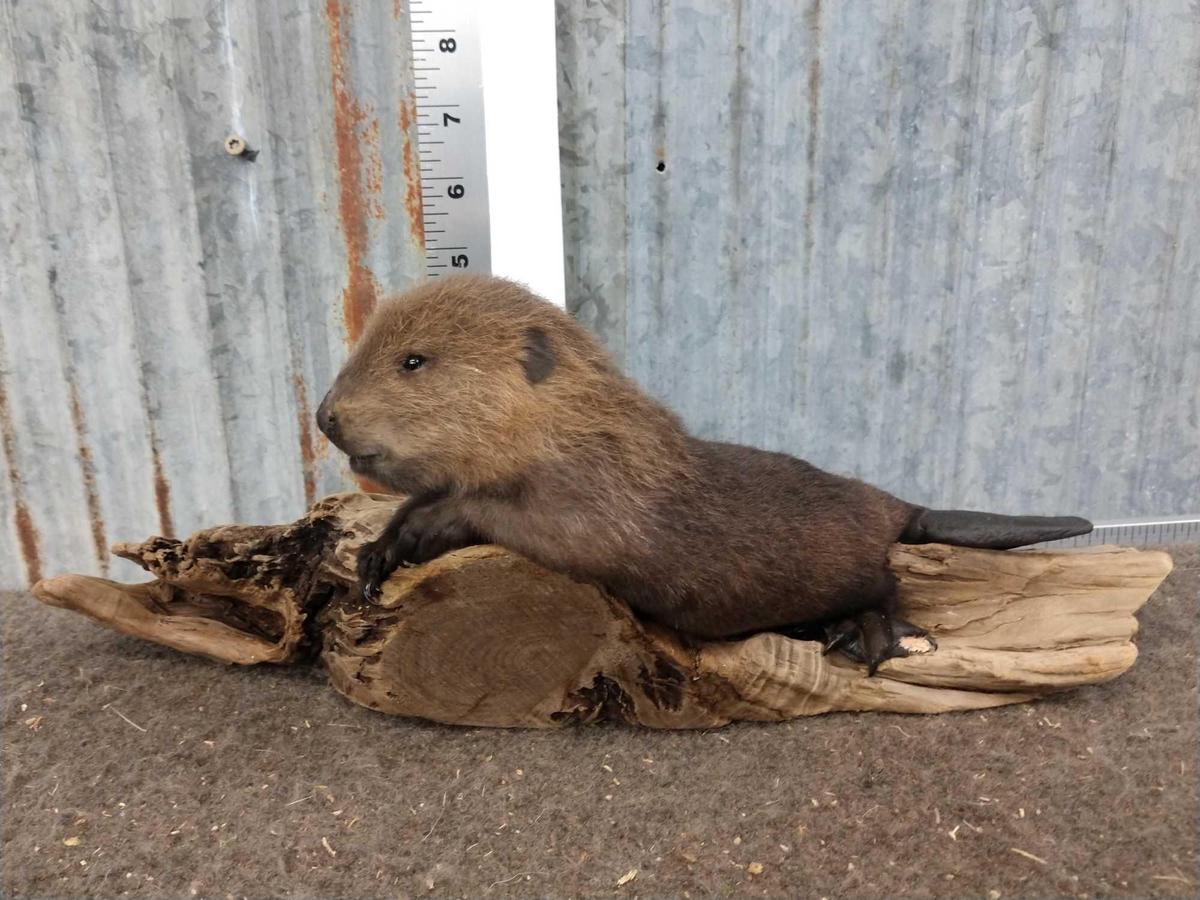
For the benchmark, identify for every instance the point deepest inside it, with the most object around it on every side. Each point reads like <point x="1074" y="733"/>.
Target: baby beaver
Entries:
<point x="505" y="422"/>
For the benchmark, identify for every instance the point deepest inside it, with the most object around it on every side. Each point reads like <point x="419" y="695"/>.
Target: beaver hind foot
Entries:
<point x="870" y="637"/>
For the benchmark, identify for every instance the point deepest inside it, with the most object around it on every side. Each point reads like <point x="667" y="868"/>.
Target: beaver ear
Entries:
<point x="539" y="358"/>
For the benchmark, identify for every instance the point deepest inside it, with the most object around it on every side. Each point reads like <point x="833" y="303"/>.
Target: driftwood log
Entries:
<point x="484" y="637"/>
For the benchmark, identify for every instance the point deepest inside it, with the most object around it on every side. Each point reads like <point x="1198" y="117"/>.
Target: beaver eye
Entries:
<point x="413" y="361"/>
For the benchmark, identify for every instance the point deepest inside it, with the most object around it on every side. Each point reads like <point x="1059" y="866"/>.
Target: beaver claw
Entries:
<point x="415" y="534"/>
<point x="376" y="561"/>
<point x="872" y="637"/>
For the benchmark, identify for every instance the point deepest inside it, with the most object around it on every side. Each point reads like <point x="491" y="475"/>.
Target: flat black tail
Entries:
<point x="964" y="528"/>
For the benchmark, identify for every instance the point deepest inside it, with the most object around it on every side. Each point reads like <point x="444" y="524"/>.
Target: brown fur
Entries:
<point x="584" y="473"/>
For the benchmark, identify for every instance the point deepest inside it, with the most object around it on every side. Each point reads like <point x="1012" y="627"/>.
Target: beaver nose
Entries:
<point x="326" y="420"/>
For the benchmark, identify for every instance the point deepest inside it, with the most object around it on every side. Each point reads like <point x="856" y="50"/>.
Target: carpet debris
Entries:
<point x="1028" y="855"/>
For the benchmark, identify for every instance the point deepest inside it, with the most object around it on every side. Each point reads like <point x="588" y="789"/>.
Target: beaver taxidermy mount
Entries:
<point x="505" y="422"/>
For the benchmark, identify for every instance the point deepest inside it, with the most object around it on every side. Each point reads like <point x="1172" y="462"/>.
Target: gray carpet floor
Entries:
<point x="134" y="770"/>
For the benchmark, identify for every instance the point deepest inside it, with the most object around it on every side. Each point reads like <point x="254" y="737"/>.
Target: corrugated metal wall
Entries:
<point x="172" y="314"/>
<point x="951" y="247"/>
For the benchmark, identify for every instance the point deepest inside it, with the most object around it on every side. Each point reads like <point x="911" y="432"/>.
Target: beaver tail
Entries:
<point x="991" y="531"/>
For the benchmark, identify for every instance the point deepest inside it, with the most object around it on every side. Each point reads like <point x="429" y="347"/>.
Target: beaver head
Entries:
<point x="463" y="380"/>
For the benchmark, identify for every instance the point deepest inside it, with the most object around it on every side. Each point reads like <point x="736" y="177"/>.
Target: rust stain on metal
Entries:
<point x="412" y="174"/>
<point x="360" y="174"/>
<point x="371" y="487"/>
<point x="99" y="539"/>
<point x="407" y="114"/>
<point x="374" y="168"/>
<point x="321" y="447"/>
<point x="307" y="451"/>
<point x="27" y="535"/>
<point x="162" y="492"/>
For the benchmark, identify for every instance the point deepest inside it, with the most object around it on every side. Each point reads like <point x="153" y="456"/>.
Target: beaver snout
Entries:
<point x="326" y="420"/>
<point x="362" y="458"/>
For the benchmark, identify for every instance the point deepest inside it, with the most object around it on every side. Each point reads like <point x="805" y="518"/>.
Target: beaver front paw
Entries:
<point x="415" y="534"/>
<point x="376" y="561"/>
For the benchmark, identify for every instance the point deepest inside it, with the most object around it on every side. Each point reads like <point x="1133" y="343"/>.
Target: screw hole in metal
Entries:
<point x="235" y="145"/>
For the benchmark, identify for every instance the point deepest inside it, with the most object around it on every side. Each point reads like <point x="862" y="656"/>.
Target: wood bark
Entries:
<point x="484" y="637"/>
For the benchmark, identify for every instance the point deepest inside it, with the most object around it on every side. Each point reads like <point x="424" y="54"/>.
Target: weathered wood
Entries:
<point x="484" y="637"/>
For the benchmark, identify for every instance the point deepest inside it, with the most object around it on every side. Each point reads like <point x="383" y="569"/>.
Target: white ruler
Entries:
<point x="450" y="131"/>
<point x="490" y="188"/>
<point x="1137" y="533"/>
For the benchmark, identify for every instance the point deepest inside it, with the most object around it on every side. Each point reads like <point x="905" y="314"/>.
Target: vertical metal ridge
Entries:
<point x="26" y="531"/>
<point x="88" y="464"/>
<point x="356" y="139"/>
<point x="158" y="484"/>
